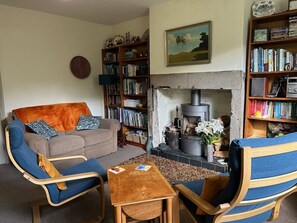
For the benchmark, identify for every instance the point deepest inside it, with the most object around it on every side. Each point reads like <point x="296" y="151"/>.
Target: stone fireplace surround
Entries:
<point x="233" y="81"/>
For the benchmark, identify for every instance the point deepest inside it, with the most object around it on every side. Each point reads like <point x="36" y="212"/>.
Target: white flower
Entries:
<point x="210" y="131"/>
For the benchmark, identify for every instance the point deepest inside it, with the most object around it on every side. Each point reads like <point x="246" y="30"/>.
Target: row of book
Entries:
<point x="132" y="70"/>
<point x="134" y="118"/>
<point x="115" y="113"/>
<point x="111" y="69"/>
<point x="114" y="88"/>
<point x="111" y="57"/>
<point x="273" y="109"/>
<point x="114" y="100"/>
<point x="271" y="60"/>
<point x="131" y="86"/>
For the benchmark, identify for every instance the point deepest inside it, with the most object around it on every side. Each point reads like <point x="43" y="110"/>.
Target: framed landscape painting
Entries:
<point x="189" y="44"/>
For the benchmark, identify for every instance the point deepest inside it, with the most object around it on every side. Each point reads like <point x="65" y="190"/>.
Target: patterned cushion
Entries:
<point x="42" y="128"/>
<point x="88" y="122"/>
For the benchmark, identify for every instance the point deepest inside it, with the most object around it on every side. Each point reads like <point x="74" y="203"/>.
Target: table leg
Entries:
<point x="169" y="210"/>
<point x="118" y="216"/>
<point x="123" y="217"/>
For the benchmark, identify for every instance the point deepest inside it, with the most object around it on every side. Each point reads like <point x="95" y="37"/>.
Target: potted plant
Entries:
<point x="210" y="133"/>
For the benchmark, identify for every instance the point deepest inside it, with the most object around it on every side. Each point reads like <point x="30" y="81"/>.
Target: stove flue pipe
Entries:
<point x="195" y="97"/>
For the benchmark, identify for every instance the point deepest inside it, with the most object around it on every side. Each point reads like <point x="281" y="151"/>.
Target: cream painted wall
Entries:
<point x="35" y="53"/>
<point x="136" y="27"/>
<point x="36" y="50"/>
<point x="227" y="32"/>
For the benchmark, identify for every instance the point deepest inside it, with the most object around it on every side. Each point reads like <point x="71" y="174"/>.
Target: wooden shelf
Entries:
<point x="119" y="64"/>
<point x="259" y="126"/>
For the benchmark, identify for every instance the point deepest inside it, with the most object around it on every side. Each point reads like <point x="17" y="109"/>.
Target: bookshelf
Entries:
<point x="274" y="61"/>
<point x="126" y="98"/>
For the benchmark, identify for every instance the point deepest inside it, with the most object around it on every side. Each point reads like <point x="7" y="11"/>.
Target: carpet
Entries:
<point x="172" y="170"/>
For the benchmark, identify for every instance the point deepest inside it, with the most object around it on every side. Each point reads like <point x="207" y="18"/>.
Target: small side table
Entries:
<point x="141" y="195"/>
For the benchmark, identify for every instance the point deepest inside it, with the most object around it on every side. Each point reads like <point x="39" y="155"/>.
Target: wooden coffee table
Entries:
<point x="141" y="195"/>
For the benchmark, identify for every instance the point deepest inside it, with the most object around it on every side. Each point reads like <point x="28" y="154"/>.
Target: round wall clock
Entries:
<point x="80" y="67"/>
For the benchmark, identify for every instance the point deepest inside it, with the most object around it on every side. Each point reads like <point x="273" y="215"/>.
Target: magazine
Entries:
<point x="144" y="167"/>
<point x="116" y="169"/>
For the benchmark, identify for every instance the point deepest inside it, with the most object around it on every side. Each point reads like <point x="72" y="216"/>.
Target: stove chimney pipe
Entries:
<point x="195" y="97"/>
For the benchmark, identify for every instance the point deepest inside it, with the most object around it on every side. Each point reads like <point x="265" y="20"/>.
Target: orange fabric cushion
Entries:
<point x="212" y="187"/>
<point x="48" y="167"/>
<point x="62" y="117"/>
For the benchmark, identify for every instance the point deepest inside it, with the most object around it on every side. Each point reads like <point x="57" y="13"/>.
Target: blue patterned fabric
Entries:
<point x="28" y="160"/>
<point x="261" y="167"/>
<point x="88" y="122"/>
<point x="42" y="128"/>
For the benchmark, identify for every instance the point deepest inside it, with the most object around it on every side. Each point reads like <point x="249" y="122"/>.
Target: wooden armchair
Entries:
<point x="79" y="179"/>
<point x="263" y="173"/>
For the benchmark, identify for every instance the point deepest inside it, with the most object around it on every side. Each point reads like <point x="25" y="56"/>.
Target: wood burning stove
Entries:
<point x="192" y="114"/>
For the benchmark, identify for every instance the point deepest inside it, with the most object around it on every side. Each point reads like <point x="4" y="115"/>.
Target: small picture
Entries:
<point x="189" y="44"/>
<point x="292" y="4"/>
<point x="260" y="35"/>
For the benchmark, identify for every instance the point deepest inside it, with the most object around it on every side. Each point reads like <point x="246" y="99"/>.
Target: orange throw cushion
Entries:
<point x="48" y="167"/>
<point x="212" y="187"/>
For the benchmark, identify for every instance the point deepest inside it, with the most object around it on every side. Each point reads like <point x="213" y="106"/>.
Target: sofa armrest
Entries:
<point x="115" y="126"/>
<point x="37" y="142"/>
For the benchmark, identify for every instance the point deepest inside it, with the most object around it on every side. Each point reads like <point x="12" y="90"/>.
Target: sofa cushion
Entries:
<point x="42" y="128"/>
<point x="88" y="122"/>
<point x="65" y="144"/>
<point x="93" y="136"/>
<point x="62" y="117"/>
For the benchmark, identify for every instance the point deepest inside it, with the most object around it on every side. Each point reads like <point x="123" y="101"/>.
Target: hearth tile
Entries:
<point x="184" y="159"/>
<point x="221" y="168"/>
<point x="172" y="156"/>
<point x="196" y="162"/>
<point x="155" y="151"/>
<point x="209" y="166"/>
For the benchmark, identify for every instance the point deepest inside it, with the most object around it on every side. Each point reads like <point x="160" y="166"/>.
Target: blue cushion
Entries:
<point x="42" y="128"/>
<point x="77" y="186"/>
<point x="88" y="122"/>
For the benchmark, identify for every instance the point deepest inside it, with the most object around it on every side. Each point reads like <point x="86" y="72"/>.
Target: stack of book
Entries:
<point x="134" y="118"/>
<point x="279" y="33"/>
<point x="293" y="26"/>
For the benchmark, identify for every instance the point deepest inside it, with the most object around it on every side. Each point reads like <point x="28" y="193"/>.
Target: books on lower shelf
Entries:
<point x="134" y="118"/>
<point x="273" y="109"/>
<point x="143" y="167"/>
<point x="116" y="169"/>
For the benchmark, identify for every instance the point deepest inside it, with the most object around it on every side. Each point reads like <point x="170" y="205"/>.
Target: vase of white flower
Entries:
<point x="210" y="133"/>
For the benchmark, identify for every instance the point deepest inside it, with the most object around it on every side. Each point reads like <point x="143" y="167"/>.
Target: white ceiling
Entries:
<point x="107" y="12"/>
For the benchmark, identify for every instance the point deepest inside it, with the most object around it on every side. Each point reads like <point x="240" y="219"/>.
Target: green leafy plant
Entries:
<point x="210" y="131"/>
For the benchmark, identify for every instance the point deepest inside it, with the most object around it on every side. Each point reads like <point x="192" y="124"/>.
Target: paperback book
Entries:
<point x="144" y="167"/>
<point x="116" y="169"/>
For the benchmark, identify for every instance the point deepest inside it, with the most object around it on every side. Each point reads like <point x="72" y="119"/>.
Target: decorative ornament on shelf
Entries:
<point x="109" y="43"/>
<point x="263" y="8"/>
<point x="118" y="40"/>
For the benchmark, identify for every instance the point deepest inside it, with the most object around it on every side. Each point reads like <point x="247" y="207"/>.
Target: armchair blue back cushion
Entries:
<point x="27" y="159"/>
<point x="261" y="167"/>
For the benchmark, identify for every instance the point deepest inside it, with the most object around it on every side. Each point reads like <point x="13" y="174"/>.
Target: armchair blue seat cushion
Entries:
<point x="27" y="159"/>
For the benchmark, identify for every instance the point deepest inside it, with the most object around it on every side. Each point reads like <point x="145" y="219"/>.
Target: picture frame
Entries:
<point x="189" y="44"/>
<point x="292" y="4"/>
<point x="260" y="35"/>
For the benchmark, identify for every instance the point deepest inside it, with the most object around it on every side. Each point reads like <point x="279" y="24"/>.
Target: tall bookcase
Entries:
<point x="271" y="59"/>
<point x="126" y="98"/>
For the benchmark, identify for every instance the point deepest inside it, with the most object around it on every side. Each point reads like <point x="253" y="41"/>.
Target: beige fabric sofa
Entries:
<point x="64" y="118"/>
